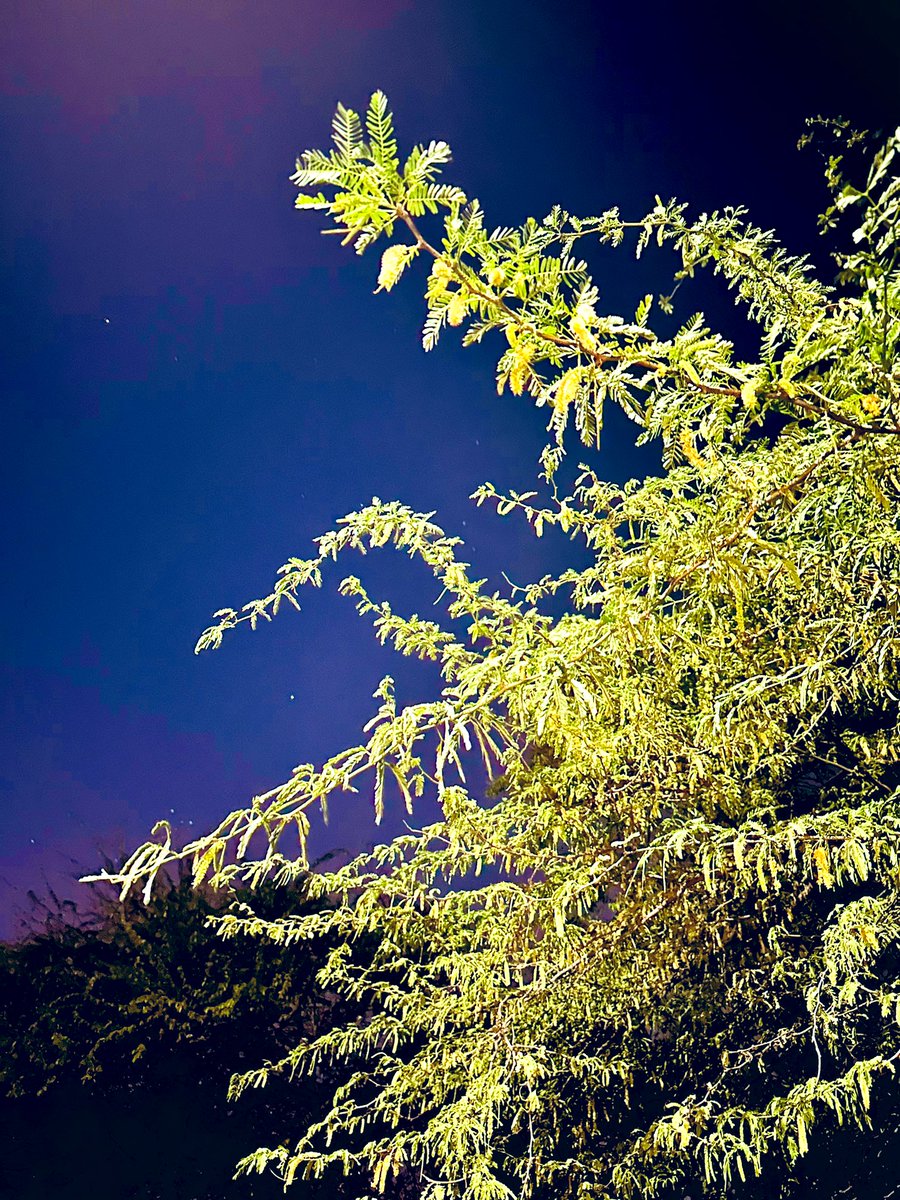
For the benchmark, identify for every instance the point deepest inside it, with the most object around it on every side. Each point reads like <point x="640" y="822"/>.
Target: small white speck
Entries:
<point x="291" y="696"/>
<point x="106" y="320"/>
<point x="171" y="810"/>
<point x="32" y="841"/>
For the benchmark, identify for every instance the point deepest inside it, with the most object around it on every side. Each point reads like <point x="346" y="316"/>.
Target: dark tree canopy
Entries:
<point x="119" y="1029"/>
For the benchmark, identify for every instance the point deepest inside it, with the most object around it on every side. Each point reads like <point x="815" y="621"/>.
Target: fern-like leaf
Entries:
<point x="380" y="128"/>
<point x="347" y="132"/>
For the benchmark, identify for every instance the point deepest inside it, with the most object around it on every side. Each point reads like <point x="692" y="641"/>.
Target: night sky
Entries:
<point x="195" y="383"/>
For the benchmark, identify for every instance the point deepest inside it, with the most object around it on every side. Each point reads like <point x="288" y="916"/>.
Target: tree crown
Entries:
<point x="683" y="951"/>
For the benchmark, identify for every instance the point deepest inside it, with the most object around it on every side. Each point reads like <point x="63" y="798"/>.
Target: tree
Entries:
<point x="119" y="1028"/>
<point x="680" y="965"/>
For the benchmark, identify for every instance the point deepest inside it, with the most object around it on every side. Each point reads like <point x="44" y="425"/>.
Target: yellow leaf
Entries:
<point x="859" y="860"/>
<point x="748" y="393"/>
<point x="582" y="334"/>
<point x="707" y="873"/>
<point x="205" y="864"/>
<point x="802" y="1143"/>
<point x="518" y="375"/>
<point x="867" y="936"/>
<point x="691" y="372"/>
<point x="823" y="866"/>
<point x="457" y="308"/>
<point x="567" y="388"/>
<point x="689" y="450"/>
<point x="871" y="405"/>
<point x="393" y="261"/>
<point x="380" y="1174"/>
<point x="761" y="872"/>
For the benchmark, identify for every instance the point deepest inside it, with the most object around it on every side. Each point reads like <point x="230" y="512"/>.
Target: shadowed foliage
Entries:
<point x="120" y="1028"/>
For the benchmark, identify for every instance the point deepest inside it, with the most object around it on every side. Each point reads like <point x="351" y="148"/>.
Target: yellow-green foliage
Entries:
<point x="684" y="958"/>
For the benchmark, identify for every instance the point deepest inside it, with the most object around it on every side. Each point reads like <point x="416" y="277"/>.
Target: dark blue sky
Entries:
<point x="195" y="383"/>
